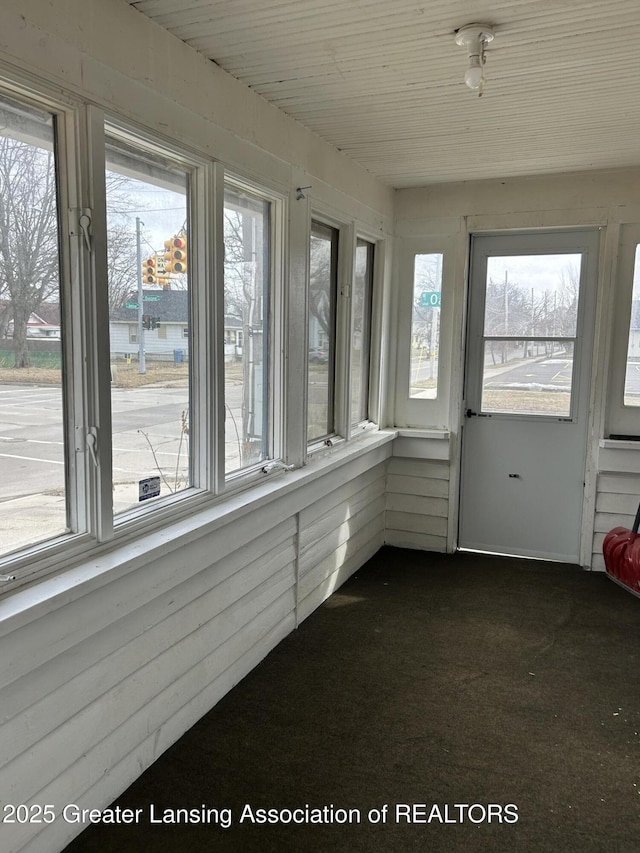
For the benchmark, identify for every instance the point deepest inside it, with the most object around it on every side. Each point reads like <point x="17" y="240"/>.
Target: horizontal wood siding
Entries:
<point x="338" y="533"/>
<point x="417" y="502"/>
<point x="95" y="691"/>
<point x="617" y="499"/>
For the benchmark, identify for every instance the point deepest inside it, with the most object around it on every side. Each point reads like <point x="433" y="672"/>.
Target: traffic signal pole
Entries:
<point x="142" y="368"/>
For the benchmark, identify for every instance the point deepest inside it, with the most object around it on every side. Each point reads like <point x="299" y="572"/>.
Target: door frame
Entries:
<point x="593" y="237"/>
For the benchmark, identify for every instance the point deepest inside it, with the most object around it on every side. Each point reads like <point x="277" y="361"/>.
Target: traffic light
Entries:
<point x="163" y="280"/>
<point x="175" y="254"/>
<point x="149" y="271"/>
<point x="155" y="322"/>
<point x="146" y="321"/>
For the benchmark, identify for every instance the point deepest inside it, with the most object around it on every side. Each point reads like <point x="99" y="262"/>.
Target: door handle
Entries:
<point x="471" y="414"/>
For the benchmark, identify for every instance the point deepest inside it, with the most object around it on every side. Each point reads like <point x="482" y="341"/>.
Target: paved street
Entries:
<point x="147" y="441"/>
<point x="550" y="374"/>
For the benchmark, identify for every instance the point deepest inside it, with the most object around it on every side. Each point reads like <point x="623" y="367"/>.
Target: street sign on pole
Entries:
<point x="131" y="305"/>
<point x="430" y="299"/>
<point x="148" y="298"/>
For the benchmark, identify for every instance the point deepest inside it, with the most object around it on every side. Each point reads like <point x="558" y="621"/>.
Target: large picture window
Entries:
<point x="361" y="330"/>
<point x="323" y="275"/>
<point x="33" y="442"/>
<point x="246" y="328"/>
<point x="149" y="291"/>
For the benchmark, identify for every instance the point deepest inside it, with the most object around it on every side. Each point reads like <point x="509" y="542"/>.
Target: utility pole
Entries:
<point x="142" y="368"/>
<point x="505" y="352"/>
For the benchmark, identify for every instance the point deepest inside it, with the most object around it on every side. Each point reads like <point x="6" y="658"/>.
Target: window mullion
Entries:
<point x="95" y="331"/>
<point x="344" y="320"/>
<point x="216" y="325"/>
<point x="202" y="261"/>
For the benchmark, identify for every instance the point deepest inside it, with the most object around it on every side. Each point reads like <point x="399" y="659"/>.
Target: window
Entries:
<point x="425" y="326"/>
<point x="246" y="328"/>
<point x="530" y="331"/>
<point x="623" y="411"/>
<point x="149" y="283"/>
<point x="323" y="277"/>
<point x="361" y="330"/>
<point x="632" y="367"/>
<point x="34" y="453"/>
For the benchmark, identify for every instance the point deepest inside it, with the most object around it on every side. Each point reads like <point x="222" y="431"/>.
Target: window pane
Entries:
<point x="361" y="330"/>
<point x="533" y="295"/>
<point x="32" y="437"/>
<point x="425" y="326"/>
<point x="322" y="296"/>
<point x="528" y="377"/>
<point x="632" y="378"/>
<point x="147" y="237"/>
<point x="246" y="343"/>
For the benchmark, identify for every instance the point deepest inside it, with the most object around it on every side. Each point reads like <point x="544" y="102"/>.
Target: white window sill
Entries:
<point x="619" y="444"/>
<point x="106" y="563"/>
<point x="424" y="433"/>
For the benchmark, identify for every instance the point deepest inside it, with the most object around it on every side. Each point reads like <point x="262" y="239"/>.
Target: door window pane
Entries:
<point x="33" y="505"/>
<point x="530" y="323"/>
<point x="425" y="326"/>
<point x="147" y="247"/>
<point x="528" y="377"/>
<point x="534" y="295"/>
<point x="246" y="339"/>
<point x="632" y="375"/>
<point x="361" y="330"/>
<point x="322" y="324"/>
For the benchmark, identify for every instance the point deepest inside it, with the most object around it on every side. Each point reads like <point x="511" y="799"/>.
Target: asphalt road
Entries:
<point x="147" y="441"/>
<point x="551" y="374"/>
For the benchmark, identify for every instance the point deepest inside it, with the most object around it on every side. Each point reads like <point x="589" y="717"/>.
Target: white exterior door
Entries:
<point x="527" y="381"/>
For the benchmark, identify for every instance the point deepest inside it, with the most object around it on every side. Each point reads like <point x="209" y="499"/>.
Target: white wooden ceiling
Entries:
<point x="382" y="80"/>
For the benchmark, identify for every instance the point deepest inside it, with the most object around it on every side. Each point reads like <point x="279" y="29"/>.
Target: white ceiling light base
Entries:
<point x="475" y="37"/>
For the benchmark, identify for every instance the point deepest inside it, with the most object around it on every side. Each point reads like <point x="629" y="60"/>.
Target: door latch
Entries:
<point x="471" y="414"/>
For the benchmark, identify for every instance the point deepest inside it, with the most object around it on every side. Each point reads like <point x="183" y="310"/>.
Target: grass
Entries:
<point x="123" y="375"/>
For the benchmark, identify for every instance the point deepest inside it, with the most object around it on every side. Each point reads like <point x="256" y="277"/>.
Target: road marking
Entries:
<point x="30" y="458"/>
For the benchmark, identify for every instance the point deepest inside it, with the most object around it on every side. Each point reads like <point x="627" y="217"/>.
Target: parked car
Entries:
<point x="318" y="356"/>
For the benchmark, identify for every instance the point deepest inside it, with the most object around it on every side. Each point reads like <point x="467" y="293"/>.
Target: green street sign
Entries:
<point x="430" y="299"/>
<point x="150" y="299"/>
<point x="131" y="305"/>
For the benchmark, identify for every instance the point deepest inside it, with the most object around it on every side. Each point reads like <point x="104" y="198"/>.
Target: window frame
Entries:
<point x="413" y="412"/>
<point x="622" y="421"/>
<point x="343" y="262"/>
<point x="361" y="419"/>
<point x="70" y="119"/>
<point x="201" y="422"/>
<point x="233" y="477"/>
<point x="236" y="481"/>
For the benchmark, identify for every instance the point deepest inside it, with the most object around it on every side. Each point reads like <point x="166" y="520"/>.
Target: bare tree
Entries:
<point x="29" y="272"/>
<point x="320" y="282"/>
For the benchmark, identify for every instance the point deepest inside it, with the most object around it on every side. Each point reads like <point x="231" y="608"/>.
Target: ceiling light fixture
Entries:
<point x="475" y="37"/>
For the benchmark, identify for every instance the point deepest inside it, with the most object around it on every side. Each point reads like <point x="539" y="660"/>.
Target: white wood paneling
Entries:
<point x="337" y="533"/>
<point x="109" y="679"/>
<point x="417" y="505"/>
<point x="617" y="499"/>
<point x="383" y="82"/>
